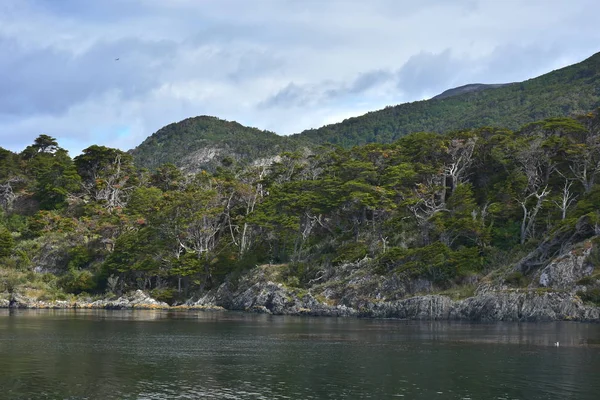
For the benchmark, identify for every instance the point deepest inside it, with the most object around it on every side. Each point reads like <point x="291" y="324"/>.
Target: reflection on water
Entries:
<point x="101" y="354"/>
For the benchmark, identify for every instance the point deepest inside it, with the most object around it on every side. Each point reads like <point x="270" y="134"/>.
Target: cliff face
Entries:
<point x="553" y="294"/>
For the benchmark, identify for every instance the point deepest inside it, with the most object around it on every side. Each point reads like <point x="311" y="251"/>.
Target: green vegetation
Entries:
<point x="448" y="209"/>
<point x="591" y="296"/>
<point x="564" y="92"/>
<point x="207" y="143"/>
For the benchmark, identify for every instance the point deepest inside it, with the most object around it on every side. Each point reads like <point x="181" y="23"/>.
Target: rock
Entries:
<point x="268" y="297"/>
<point x="19" y="301"/>
<point x="138" y="299"/>
<point x="524" y="306"/>
<point x="552" y="245"/>
<point x="489" y="306"/>
<point x="564" y="271"/>
<point x="420" y="307"/>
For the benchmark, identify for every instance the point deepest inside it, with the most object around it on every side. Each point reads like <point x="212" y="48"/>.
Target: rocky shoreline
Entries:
<point x="137" y="300"/>
<point x="272" y="298"/>
<point x="507" y="305"/>
<point x="553" y="294"/>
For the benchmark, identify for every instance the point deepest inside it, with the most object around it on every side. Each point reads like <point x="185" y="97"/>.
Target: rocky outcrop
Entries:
<point x="564" y="271"/>
<point x="138" y="299"/>
<point x="273" y="298"/>
<point x="270" y="298"/>
<point x="509" y="305"/>
<point x="353" y="289"/>
<point x="17" y="300"/>
<point x="490" y="306"/>
<point x="525" y="306"/>
<point x="135" y="300"/>
<point x="420" y="307"/>
<point x="557" y="244"/>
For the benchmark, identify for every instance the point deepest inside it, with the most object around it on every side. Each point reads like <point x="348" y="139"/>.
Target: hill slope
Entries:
<point x="473" y="87"/>
<point x="571" y="90"/>
<point x="203" y="142"/>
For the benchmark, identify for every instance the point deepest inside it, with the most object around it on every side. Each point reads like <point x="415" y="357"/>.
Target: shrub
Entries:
<point x="76" y="281"/>
<point x="7" y="242"/>
<point x="350" y="252"/>
<point x="164" y="294"/>
<point x="590" y="296"/>
<point x="516" y="278"/>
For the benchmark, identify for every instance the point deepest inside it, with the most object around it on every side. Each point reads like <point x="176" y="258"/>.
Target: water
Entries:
<point x="188" y="355"/>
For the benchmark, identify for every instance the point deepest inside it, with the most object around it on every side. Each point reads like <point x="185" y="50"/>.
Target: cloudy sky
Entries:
<point x="281" y="65"/>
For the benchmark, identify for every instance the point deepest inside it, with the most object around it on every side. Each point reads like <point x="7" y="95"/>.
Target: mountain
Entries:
<point x="568" y="91"/>
<point x="203" y="142"/>
<point x="472" y="87"/>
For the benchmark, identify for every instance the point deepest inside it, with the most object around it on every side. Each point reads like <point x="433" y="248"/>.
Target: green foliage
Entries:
<point x="564" y="92"/>
<point x="79" y="257"/>
<point x="168" y="295"/>
<point x="56" y="180"/>
<point x="443" y="208"/>
<point x="173" y="143"/>
<point x="516" y="278"/>
<point x="10" y="279"/>
<point x="590" y="296"/>
<point x="351" y="252"/>
<point x="593" y="259"/>
<point x="75" y="281"/>
<point x="7" y="242"/>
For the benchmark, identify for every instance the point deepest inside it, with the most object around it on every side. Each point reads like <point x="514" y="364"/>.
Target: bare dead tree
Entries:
<point x="530" y="212"/>
<point x="567" y="197"/>
<point x="461" y="158"/>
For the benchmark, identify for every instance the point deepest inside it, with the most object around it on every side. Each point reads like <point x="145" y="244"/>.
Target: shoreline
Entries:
<point x="486" y="307"/>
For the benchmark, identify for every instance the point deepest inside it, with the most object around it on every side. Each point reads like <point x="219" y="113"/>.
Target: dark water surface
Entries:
<point x="185" y="355"/>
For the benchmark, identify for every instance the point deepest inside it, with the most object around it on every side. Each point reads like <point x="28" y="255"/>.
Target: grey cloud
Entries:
<point x="290" y="96"/>
<point x="49" y="80"/>
<point x="427" y="73"/>
<point x="255" y="61"/>
<point x="366" y="81"/>
<point x="294" y="95"/>
<point x="98" y="11"/>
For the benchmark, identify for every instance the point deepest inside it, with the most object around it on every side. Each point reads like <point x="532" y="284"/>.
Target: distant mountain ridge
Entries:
<point x="472" y="87"/>
<point x="201" y="142"/>
<point x="564" y="92"/>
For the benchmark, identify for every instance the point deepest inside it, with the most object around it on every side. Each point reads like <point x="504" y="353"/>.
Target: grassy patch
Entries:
<point x="459" y="292"/>
<point x="517" y="279"/>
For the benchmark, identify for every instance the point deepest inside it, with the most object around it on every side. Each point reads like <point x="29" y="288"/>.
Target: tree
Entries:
<point x="536" y="166"/>
<point x="42" y="144"/>
<point x="167" y="177"/>
<point x="460" y="151"/>
<point x="7" y="242"/>
<point x="108" y="175"/>
<point x="57" y="181"/>
<point x="566" y="199"/>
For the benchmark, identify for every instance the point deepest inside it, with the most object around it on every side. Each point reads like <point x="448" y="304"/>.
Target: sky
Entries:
<point x="279" y="65"/>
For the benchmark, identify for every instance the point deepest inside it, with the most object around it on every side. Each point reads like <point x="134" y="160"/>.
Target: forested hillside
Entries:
<point x="205" y="142"/>
<point x="443" y="209"/>
<point x="473" y="87"/>
<point x="565" y="92"/>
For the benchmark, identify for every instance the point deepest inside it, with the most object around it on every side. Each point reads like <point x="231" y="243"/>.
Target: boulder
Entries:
<point x="564" y="271"/>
